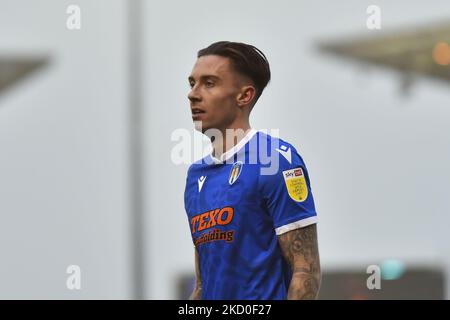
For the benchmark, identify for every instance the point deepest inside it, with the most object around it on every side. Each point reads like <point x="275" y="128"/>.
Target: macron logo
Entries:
<point x="286" y="152"/>
<point x="201" y="180"/>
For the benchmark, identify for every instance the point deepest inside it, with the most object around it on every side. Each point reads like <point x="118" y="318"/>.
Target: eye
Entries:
<point x="191" y="84"/>
<point x="209" y="84"/>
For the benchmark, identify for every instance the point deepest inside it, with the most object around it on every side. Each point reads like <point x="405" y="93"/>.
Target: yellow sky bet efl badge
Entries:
<point x="235" y="172"/>
<point x="296" y="184"/>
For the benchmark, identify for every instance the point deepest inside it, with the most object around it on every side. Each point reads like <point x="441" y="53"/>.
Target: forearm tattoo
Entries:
<point x="300" y="249"/>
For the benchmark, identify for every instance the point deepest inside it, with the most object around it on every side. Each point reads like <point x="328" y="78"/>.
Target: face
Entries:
<point x="214" y="93"/>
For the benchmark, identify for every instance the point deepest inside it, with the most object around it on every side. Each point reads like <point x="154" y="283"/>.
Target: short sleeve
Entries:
<point x="287" y="193"/>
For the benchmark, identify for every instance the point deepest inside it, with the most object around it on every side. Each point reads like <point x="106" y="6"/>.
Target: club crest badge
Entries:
<point x="235" y="172"/>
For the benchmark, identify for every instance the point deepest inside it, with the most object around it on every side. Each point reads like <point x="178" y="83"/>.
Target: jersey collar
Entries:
<point x="225" y="156"/>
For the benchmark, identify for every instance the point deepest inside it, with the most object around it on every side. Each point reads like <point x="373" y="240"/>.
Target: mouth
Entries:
<point x="197" y="114"/>
<point x="197" y="111"/>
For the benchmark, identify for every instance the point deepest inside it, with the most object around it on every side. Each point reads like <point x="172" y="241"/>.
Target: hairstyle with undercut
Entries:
<point x="245" y="59"/>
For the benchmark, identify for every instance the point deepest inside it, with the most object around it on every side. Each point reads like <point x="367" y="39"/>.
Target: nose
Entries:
<point x="193" y="95"/>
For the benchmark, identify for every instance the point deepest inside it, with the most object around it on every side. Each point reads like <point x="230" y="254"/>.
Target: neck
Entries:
<point x="229" y="138"/>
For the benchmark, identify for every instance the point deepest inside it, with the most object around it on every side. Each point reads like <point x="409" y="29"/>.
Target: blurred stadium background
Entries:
<point x="86" y="117"/>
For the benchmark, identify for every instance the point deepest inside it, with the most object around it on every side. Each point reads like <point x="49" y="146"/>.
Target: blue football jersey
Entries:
<point x="237" y="206"/>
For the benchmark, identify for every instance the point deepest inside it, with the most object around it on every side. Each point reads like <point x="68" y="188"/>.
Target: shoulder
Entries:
<point x="278" y="151"/>
<point x="198" y="165"/>
<point x="283" y="163"/>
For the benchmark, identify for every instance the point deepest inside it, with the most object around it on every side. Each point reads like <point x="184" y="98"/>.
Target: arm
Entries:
<point x="197" y="293"/>
<point x="300" y="249"/>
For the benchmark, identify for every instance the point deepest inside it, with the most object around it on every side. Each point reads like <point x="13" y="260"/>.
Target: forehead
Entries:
<point x="211" y="65"/>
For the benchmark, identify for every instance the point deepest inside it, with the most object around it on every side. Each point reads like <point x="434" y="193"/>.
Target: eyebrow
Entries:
<point x="204" y="77"/>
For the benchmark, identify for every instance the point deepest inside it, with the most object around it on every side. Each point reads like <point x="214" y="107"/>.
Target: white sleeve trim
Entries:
<point x="296" y="225"/>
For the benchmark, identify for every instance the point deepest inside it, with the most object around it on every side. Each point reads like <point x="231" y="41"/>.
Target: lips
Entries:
<point x="196" y="111"/>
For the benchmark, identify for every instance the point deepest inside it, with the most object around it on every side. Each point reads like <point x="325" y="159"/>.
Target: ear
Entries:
<point x="246" y="96"/>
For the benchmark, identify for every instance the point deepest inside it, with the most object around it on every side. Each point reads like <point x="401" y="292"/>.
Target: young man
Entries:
<point x="249" y="203"/>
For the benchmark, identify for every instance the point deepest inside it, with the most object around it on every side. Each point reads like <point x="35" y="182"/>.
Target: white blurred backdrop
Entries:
<point x="377" y="158"/>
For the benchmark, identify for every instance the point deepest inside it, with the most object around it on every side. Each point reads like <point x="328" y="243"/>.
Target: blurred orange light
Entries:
<point x="441" y="54"/>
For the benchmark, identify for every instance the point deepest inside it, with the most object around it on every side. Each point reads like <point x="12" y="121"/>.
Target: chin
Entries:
<point x="199" y="126"/>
